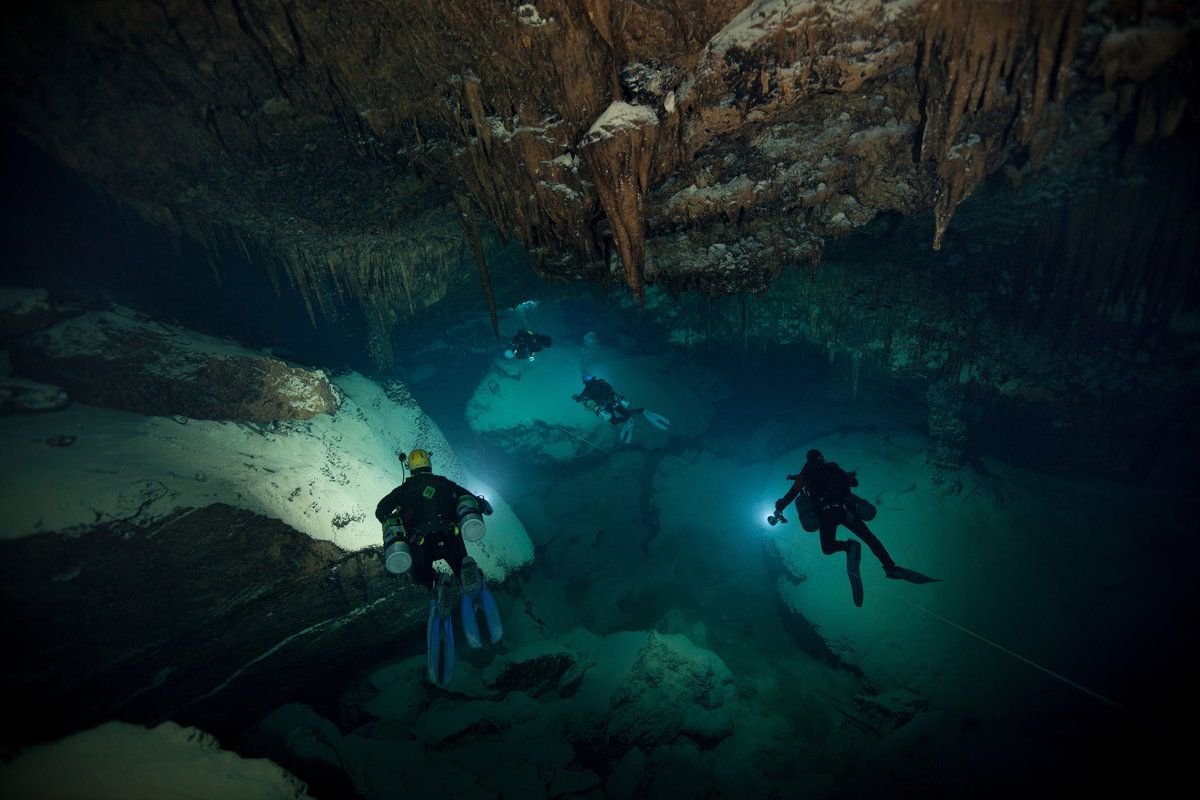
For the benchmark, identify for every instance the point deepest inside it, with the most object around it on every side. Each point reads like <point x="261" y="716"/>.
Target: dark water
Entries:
<point x="1113" y="710"/>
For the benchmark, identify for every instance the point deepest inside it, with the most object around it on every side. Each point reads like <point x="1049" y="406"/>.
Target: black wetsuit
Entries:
<point x="526" y="343"/>
<point x="599" y="394"/>
<point x="427" y="504"/>
<point x="829" y="487"/>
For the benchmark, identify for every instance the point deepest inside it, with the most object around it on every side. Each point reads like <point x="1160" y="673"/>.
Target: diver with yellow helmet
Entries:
<point x="428" y="518"/>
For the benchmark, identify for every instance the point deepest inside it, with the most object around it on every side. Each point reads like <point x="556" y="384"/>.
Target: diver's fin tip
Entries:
<point x="656" y="419"/>
<point x="910" y="575"/>
<point x="439" y="660"/>
<point x="853" y="559"/>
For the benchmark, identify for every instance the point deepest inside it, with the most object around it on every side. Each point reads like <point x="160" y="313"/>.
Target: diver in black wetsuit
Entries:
<point x="525" y="343"/>
<point x="824" y="501"/>
<point x="599" y="397"/>
<point x="429" y="515"/>
<point x="429" y="518"/>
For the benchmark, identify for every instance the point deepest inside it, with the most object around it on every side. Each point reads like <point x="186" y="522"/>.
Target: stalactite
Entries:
<point x="406" y="279"/>
<point x="619" y="149"/>
<point x="270" y="265"/>
<point x="470" y="226"/>
<point x="379" y="340"/>
<point x="979" y="56"/>
<point x="473" y="93"/>
<point x="297" y="279"/>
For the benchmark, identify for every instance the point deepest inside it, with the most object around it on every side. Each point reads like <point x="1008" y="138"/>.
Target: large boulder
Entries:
<point x="675" y="689"/>
<point x="657" y="703"/>
<point x="119" y="761"/>
<point x="321" y="477"/>
<point x="209" y="618"/>
<point x="126" y="360"/>
<point x="23" y="311"/>
<point x="22" y="395"/>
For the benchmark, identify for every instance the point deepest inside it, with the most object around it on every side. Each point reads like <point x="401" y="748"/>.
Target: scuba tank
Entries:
<point x="470" y="518"/>
<point x="806" y="510"/>
<point x="864" y="509"/>
<point x="597" y="409"/>
<point x="397" y="558"/>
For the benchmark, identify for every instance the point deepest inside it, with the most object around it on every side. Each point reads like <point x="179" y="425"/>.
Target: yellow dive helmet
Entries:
<point x="418" y="459"/>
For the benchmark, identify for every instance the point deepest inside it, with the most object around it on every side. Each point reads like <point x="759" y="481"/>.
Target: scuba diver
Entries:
<point x="525" y="343"/>
<point x="824" y="501"/>
<point x="429" y="518"/>
<point x="599" y="397"/>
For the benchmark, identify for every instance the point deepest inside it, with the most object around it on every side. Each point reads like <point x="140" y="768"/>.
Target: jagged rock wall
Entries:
<point x="210" y="618"/>
<point x="334" y="136"/>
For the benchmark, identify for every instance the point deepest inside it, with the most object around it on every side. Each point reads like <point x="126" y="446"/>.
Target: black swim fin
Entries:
<point x="910" y="575"/>
<point x="853" y="558"/>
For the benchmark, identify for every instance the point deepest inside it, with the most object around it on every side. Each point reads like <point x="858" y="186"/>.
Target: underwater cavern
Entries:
<point x="599" y="398"/>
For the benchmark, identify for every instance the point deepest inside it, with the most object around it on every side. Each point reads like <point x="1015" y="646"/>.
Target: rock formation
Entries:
<point x="202" y="618"/>
<point x="125" y="360"/>
<point x="122" y="760"/>
<point x="201" y="569"/>
<point x="534" y="724"/>
<point x="335" y="138"/>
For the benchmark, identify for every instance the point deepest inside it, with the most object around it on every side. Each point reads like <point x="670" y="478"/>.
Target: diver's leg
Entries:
<point x="860" y="529"/>
<point x="454" y="551"/>
<point x="422" y="566"/>
<point x="829" y="541"/>
<point x="830" y="519"/>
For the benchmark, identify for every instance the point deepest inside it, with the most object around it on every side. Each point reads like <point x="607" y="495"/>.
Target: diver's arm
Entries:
<point x="484" y="506"/>
<point x="384" y="509"/>
<point x="797" y="485"/>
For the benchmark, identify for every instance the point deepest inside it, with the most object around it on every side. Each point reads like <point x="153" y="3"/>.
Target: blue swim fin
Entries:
<point x="657" y="420"/>
<point x="439" y="635"/>
<point x="476" y="598"/>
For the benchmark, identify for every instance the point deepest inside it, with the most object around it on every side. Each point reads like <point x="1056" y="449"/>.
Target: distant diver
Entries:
<point x="824" y="501"/>
<point x="599" y="397"/>
<point x="526" y="343"/>
<point x="430" y="517"/>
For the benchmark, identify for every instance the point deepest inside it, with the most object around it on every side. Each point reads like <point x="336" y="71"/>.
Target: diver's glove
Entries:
<point x="795" y="477"/>
<point x="484" y="505"/>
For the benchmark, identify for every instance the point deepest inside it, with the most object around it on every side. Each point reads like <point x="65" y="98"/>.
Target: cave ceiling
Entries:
<point x="690" y="144"/>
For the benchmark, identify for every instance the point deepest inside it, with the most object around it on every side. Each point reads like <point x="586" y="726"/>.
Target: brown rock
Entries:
<point x="125" y="360"/>
<point x="334" y="137"/>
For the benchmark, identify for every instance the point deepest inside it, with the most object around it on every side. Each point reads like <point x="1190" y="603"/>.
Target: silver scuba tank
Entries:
<point x="397" y="558"/>
<point x="470" y="520"/>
